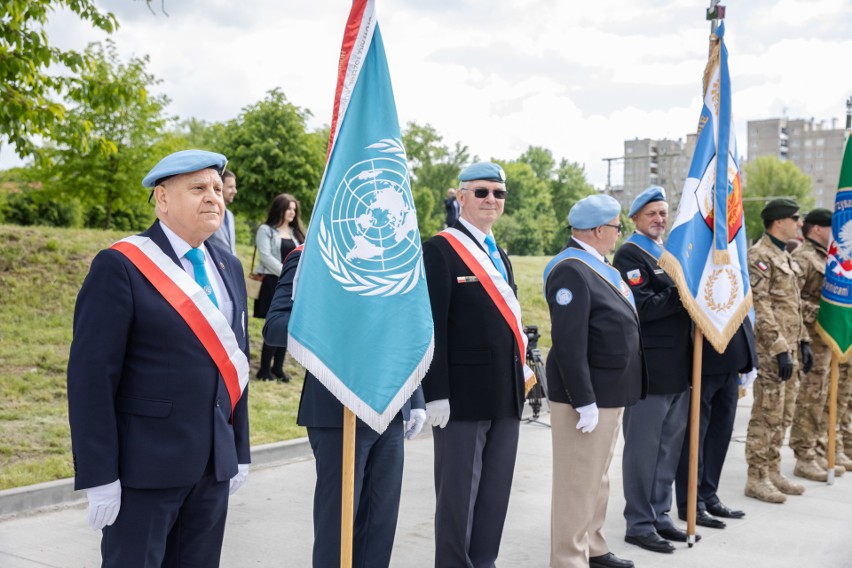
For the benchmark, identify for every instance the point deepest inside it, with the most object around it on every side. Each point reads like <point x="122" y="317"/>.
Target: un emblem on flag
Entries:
<point x="370" y="241"/>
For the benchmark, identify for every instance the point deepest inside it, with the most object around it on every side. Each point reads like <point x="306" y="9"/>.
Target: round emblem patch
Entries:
<point x="564" y="296"/>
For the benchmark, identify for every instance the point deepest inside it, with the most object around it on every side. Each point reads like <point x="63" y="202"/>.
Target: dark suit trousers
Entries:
<point x="474" y="465"/>
<point x="719" y="396"/>
<point x="653" y="437"/>
<point x="378" y="484"/>
<point x="170" y="528"/>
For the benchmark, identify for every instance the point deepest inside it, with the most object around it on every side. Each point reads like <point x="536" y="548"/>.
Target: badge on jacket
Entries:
<point x="634" y="277"/>
<point x="761" y="266"/>
<point x="466" y="279"/>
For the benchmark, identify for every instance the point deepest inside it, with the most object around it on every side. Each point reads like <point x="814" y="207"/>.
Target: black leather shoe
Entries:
<point x="675" y="534"/>
<point x="264" y="376"/>
<point x="651" y="541"/>
<point x="705" y="519"/>
<point x="720" y="510"/>
<point x="281" y="375"/>
<point x="609" y="560"/>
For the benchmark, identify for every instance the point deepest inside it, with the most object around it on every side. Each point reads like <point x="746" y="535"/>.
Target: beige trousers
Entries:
<point x="580" y="485"/>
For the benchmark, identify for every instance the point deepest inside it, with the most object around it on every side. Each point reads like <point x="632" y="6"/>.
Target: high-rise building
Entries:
<point x="815" y="147"/>
<point x="660" y="162"/>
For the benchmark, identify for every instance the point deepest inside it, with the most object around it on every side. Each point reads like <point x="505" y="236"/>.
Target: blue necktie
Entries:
<point x="495" y="256"/>
<point x="196" y="257"/>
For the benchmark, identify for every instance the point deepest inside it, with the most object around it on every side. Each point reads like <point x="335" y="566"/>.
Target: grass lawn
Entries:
<point x="41" y="270"/>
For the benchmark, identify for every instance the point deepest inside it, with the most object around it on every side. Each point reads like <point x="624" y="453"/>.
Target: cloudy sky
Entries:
<point x="575" y="77"/>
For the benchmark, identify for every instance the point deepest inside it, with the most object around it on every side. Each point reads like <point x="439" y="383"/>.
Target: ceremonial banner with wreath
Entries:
<point x="362" y="322"/>
<point x="706" y="252"/>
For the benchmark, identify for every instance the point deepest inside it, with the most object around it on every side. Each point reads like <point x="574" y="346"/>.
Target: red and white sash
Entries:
<point x="191" y="302"/>
<point x="497" y="289"/>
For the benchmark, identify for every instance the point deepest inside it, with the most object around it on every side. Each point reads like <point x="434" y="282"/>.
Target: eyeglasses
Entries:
<point x="619" y="227"/>
<point x="795" y="217"/>
<point x="482" y="193"/>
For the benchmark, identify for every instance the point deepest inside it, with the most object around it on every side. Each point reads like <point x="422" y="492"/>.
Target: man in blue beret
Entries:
<point x="654" y="427"/>
<point x="594" y="369"/>
<point x="157" y="378"/>
<point x="475" y="386"/>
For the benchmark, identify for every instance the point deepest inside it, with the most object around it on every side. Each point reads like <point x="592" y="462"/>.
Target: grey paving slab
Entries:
<point x="269" y="522"/>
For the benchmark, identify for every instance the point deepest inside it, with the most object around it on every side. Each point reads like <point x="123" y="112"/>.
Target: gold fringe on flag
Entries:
<point x="718" y="339"/>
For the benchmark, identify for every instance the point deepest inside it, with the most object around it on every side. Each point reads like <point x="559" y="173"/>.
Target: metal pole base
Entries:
<point x="690" y="540"/>
<point x="831" y="476"/>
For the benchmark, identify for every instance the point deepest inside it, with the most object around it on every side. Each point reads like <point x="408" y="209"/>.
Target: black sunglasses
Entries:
<point x="795" y="217"/>
<point x="482" y="193"/>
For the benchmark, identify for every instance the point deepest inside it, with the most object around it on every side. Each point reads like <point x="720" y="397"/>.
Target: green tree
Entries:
<point x="568" y="187"/>
<point x="528" y="225"/>
<point x="124" y="134"/>
<point x="34" y="74"/>
<point x="271" y="152"/>
<point x="433" y="167"/>
<point x="766" y="178"/>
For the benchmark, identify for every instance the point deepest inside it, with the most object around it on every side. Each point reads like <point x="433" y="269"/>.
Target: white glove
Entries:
<point x="415" y="425"/>
<point x="438" y="412"/>
<point x="104" y="503"/>
<point x="238" y="480"/>
<point x="588" y="418"/>
<point x="746" y="379"/>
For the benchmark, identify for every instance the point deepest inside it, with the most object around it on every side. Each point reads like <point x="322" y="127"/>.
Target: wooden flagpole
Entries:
<point x="832" y="417"/>
<point x="694" y="419"/>
<point x="348" y="494"/>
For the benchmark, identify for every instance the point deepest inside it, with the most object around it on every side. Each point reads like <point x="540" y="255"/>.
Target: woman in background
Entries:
<point x="276" y="237"/>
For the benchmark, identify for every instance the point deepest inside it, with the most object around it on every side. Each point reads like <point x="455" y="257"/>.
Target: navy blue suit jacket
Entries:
<point x="476" y="364"/>
<point x="318" y="408"/>
<point x="146" y="403"/>
<point x="597" y="348"/>
<point x="665" y="324"/>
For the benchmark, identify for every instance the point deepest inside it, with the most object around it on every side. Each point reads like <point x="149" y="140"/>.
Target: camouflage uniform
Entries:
<point x="774" y="277"/>
<point x="843" y="439"/>
<point x="813" y="386"/>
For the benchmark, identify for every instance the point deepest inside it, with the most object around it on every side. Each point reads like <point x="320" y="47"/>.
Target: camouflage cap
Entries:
<point x="819" y="216"/>
<point x="780" y="208"/>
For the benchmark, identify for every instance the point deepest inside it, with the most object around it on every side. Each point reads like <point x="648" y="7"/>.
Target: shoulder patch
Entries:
<point x="761" y="265"/>
<point x="634" y="277"/>
<point x="564" y="296"/>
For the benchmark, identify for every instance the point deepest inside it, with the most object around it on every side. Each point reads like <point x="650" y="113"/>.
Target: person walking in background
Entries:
<point x="451" y="205"/>
<point x="594" y="369"/>
<point x="159" y="422"/>
<point x="280" y="234"/>
<point x="225" y="235"/>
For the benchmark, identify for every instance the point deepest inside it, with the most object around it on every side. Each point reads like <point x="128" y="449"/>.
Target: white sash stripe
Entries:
<point x="202" y="301"/>
<point x="502" y="286"/>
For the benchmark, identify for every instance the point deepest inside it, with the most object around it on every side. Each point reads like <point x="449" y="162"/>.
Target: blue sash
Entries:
<point x="651" y="248"/>
<point x="609" y="274"/>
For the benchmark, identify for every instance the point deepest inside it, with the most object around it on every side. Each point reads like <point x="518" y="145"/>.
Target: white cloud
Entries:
<point x="575" y="77"/>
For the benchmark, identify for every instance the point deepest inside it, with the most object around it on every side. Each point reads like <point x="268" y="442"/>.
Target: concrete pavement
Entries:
<point x="269" y="522"/>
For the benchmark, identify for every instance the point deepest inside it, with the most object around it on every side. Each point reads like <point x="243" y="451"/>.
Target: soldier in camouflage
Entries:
<point x="813" y="386"/>
<point x="843" y="437"/>
<point x="781" y="336"/>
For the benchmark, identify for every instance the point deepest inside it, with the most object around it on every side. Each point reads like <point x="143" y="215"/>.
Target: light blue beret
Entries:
<point x="483" y="170"/>
<point x="593" y="211"/>
<point x="184" y="162"/>
<point x="650" y="195"/>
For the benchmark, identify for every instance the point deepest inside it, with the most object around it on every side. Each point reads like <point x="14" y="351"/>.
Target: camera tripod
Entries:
<point x="538" y="392"/>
